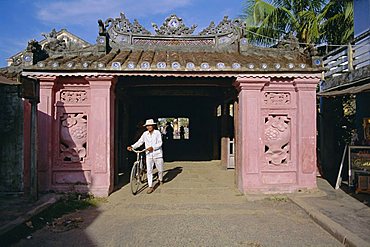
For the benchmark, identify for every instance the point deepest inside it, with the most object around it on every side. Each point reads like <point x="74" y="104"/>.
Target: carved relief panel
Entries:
<point x="277" y="137"/>
<point x="276" y="98"/>
<point x="73" y="97"/>
<point x="73" y="137"/>
<point x="72" y="104"/>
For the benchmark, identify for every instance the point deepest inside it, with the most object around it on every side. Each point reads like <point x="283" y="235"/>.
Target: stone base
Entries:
<point x="277" y="190"/>
<point x="103" y="191"/>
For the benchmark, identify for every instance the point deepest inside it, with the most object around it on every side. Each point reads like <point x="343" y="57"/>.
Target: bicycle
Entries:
<point x="138" y="171"/>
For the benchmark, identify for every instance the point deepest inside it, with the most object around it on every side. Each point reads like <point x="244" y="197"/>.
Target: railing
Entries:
<point x="348" y="58"/>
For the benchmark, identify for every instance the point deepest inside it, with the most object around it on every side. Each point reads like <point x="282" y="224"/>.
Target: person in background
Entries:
<point x="169" y="131"/>
<point x="182" y="132"/>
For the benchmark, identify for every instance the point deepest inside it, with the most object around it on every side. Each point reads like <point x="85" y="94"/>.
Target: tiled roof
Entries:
<point x="10" y="73"/>
<point x="270" y="59"/>
<point x="5" y="80"/>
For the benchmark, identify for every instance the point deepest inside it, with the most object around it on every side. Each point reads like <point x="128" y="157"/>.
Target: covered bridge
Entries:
<point x="91" y="100"/>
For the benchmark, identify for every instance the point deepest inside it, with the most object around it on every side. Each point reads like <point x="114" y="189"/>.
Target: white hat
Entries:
<point x="149" y="122"/>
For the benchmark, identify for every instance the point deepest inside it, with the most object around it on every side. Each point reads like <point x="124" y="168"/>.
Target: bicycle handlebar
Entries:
<point x="138" y="151"/>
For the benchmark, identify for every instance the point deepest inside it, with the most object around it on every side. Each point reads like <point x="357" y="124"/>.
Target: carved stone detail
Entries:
<point x="122" y="25"/>
<point x="73" y="137"/>
<point x="176" y="43"/>
<point x="120" y="33"/>
<point x="173" y="25"/>
<point x="73" y="97"/>
<point x="211" y="29"/>
<point x="277" y="140"/>
<point x="33" y="53"/>
<point x="54" y="44"/>
<point x="290" y="43"/>
<point x="271" y="98"/>
<point x="224" y="27"/>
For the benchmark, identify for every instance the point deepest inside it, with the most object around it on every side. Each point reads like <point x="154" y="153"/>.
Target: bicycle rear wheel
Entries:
<point x="135" y="178"/>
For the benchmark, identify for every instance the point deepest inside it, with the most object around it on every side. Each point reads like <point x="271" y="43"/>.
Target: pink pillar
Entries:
<point x="101" y="134"/>
<point x="248" y="135"/>
<point x="237" y="145"/>
<point x="45" y="131"/>
<point x="306" y="94"/>
<point x="276" y="134"/>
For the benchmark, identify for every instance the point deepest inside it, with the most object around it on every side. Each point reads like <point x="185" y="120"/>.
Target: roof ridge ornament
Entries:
<point x="56" y="45"/>
<point x="120" y="33"/>
<point x="122" y="25"/>
<point x="173" y="25"/>
<point x="53" y="44"/>
<point x="225" y="26"/>
<point x="289" y="42"/>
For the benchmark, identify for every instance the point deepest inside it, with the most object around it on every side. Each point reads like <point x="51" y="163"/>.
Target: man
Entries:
<point x="154" y="154"/>
<point x="169" y="131"/>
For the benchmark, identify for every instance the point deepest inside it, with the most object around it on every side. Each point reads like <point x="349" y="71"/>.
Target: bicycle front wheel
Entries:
<point x="134" y="178"/>
<point x="143" y="176"/>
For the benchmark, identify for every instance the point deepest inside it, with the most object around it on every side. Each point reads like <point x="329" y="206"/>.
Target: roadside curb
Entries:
<point x="345" y="236"/>
<point x="28" y="215"/>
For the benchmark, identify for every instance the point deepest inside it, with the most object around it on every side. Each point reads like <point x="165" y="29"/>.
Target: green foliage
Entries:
<point x="311" y="21"/>
<point x="339" y="25"/>
<point x="70" y="203"/>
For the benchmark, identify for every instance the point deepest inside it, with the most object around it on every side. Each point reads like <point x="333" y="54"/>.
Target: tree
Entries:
<point x="310" y="21"/>
<point x="339" y="22"/>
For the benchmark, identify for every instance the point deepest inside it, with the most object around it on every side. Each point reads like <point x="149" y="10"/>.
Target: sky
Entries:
<point x="23" y="20"/>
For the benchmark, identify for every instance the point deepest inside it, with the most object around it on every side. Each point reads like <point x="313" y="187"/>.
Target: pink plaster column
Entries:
<point x="101" y="134"/>
<point x="306" y="95"/>
<point x="237" y="143"/>
<point x="249" y="138"/>
<point x="45" y="131"/>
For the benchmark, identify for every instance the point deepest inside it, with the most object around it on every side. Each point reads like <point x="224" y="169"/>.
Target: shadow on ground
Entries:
<point x="171" y="174"/>
<point x="362" y="197"/>
<point x="63" y="216"/>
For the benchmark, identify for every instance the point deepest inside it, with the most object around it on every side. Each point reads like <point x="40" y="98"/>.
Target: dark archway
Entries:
<point x="197" y="99"/>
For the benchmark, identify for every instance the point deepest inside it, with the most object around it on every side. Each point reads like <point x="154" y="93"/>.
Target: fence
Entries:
<point x="348" y="58"/>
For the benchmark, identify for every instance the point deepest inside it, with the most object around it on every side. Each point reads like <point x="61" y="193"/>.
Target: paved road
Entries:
<point x="197" y="206"/>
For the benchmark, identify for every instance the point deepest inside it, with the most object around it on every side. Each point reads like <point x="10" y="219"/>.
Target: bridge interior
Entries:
<point x="198" y="100"/>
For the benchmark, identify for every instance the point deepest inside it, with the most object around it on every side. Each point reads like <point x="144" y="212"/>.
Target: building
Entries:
<point x="92" y="99"/>
<point x="344" y="103"/>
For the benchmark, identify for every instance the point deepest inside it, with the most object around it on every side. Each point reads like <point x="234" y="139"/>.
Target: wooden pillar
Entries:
<point x="224" y="134"/>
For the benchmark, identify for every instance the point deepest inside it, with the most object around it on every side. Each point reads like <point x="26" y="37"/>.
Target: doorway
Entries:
<point x="190" y="103"/>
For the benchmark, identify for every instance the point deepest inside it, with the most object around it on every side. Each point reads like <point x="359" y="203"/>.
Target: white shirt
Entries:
<point x="154" y="140"/>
